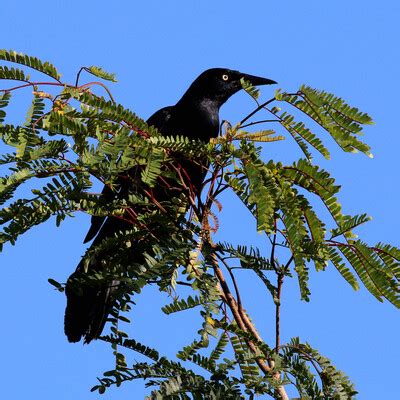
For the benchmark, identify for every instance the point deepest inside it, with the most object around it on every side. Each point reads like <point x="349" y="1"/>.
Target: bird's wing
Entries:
<point x="158" y="120"/>
<point x="96" y="222"/>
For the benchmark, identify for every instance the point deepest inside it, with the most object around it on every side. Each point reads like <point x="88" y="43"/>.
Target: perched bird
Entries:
<point x="195" y="115"/>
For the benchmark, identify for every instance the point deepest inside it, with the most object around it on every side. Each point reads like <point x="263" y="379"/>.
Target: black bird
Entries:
<point x="195" y="115"/>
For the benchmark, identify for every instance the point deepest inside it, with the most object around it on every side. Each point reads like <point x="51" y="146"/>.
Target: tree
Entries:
<point x="229" y="359"/>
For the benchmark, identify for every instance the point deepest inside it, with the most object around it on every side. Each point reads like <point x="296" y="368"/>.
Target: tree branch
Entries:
<point x="278" y="312"/>
<point x="241" y="317"/>
<point x="261" y="106"/>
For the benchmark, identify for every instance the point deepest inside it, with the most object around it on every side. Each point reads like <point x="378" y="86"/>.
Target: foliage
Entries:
<point x="72" y="137"/>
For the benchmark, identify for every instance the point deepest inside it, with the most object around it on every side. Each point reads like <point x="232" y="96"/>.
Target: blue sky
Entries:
<point x="156" y="49"/>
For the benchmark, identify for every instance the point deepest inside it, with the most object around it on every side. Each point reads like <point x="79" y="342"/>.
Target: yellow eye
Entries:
<point x="225" y="77"/>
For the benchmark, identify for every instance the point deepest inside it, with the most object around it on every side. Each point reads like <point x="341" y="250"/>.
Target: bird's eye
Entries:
<point x="225" y="77"/>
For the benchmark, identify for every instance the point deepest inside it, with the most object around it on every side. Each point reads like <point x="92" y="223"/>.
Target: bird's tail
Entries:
<point x="88" y="306"/>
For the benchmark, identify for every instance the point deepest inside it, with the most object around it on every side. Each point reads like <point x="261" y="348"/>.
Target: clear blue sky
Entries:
<point x="157" y="48"/>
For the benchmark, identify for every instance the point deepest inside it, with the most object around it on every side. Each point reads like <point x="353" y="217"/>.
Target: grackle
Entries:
<point x="195" y="115"/>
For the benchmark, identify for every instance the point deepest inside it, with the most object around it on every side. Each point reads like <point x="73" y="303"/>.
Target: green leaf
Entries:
<point x="264" y="136"/>
<point x="321" y="98"/>
<point x="295" y="234"/>
<point x="100" y="73"/>
<point x="134" y="345"/>
<point x="13" y="74"/>
<point x="31" y="62"/>
<point x="56" y="284"/>
<point x="302" y="134"/>
<point x="337" y="261"/>
<point x="180" y="305"/>
<point x="153" y="166"/>
<point x="333" y="114"/>
<point x="316" y="181"/>
<point x="250" y="89"/>
<point x="262" y="192"/>
<point x="4" y="100"/>
<point x="260" y="195"/>
<point x="220" y="347"/>
<point x="390" y="255"/>
<point x="348" y="223"/>
<point x="377" y="277"/>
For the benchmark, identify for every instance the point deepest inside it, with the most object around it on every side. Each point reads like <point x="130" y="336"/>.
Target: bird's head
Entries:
<point x="219" y="84"/>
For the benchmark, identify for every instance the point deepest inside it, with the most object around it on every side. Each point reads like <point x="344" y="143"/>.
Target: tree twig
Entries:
<point x="261" y="106"/>
<point x="278" y="312"/>
<point x="259" y="122"/>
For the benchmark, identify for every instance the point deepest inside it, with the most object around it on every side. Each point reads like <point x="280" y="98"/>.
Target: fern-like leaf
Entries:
<point x="14" y="74"/>
<point x="4" y="100"/>
<point x="100" y="73"/>
<point x="32" y="62"/>
<point x="348" y="223"/>
<point x="250" y="89"/>
<point x="180" y="305"/>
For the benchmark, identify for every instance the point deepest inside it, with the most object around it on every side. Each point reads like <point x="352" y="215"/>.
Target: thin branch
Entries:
<point x="259" y="122"/>
<point x="278" y="312"/>
<point x="100" y="84"/>
<point x="177" y="282"/>
<point x="78" y="75"/>
<point x="272" y="260"/>
<point x="288" y="263"/>
<point x="59" y="84"/>
<point x="32" y="84"/>
<point x="261" y="106"/>
<point x="229" y="269"/>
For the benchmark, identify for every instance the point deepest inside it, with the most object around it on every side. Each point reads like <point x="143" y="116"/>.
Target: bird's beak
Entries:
<point x="258" y="80"/>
